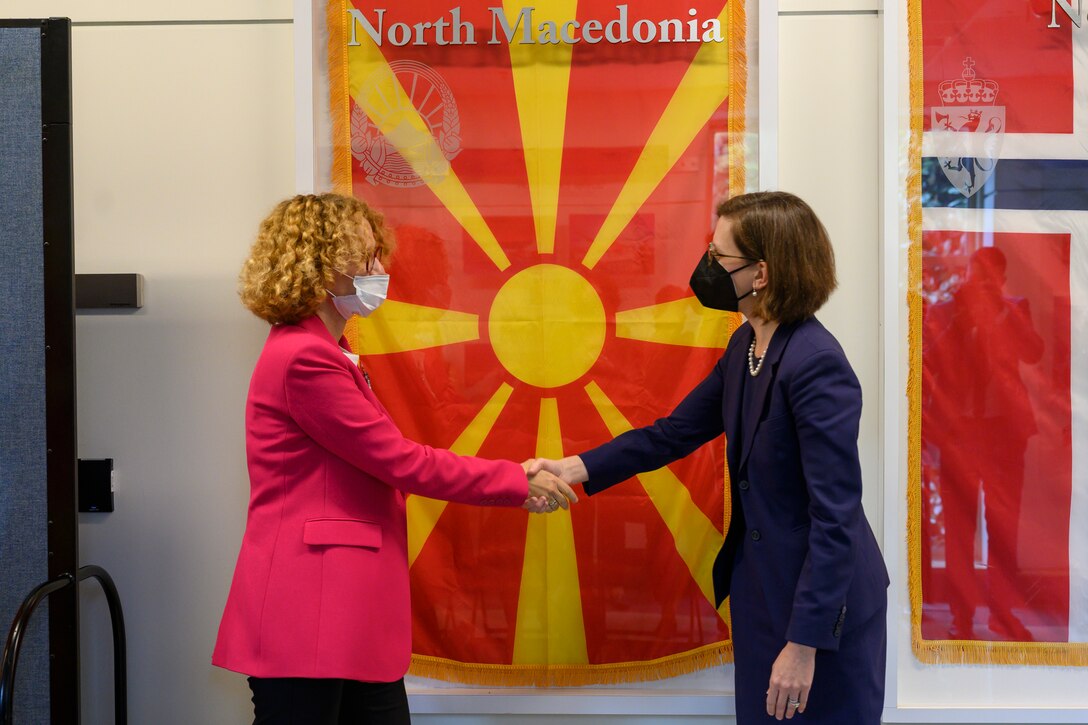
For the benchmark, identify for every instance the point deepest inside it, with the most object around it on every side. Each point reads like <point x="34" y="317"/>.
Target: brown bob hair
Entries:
<point x="299" y="248"/>
<point x="782" y="230"/>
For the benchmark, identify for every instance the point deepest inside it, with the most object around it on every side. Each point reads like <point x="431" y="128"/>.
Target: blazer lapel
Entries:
<point x="761" y="386"/>
<point x="735" y="368"/>
<point x="360" y="372"/>
<point x="315" y="326"/>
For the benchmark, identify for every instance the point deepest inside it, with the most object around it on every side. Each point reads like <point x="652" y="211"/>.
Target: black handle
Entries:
<point x="22" y="618"/>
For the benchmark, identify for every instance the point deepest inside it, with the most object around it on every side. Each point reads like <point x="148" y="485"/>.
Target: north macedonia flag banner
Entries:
<point x="550" y="170"/>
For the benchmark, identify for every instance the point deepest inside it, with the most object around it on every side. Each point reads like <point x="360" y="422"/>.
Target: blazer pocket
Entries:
<point x="779" y="421"/>
<point x="806" y="526"/>
<point x="342" y="532"/>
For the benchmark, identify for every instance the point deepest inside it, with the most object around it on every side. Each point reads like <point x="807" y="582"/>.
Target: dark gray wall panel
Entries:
<point x="23" y="512"/>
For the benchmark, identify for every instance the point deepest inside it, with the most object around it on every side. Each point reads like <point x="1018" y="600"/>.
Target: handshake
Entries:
<point x="549" y="483"/>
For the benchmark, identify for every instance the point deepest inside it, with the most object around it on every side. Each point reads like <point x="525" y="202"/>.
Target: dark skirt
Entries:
<point x="847" y="685"/>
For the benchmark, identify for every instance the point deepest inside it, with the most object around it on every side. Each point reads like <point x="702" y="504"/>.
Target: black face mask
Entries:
<point x="713" y="285"/>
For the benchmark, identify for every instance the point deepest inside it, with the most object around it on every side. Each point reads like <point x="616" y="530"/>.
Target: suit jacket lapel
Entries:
<point x="761" y="386"/>
<point x="735" y="368"/>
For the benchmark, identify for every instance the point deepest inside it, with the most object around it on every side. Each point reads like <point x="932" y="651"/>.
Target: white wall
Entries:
<point x="829" y="144"/>
<point x="184" y="138"/>
<point x="183" y="132"/>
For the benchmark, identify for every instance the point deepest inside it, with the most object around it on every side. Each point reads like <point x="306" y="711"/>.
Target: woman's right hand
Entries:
<point x="570" y="469"/>
<point x="550" y="490"/>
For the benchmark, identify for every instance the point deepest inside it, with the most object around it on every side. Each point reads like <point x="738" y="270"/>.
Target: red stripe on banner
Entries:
<point x="640" y="601"/>
<point x="489" y="160"/>
<point x="467" y="578"/>
<point x="645" y="606"/>
<point x="644" y="399"/>
<point x="996" y="436"/>
<point x="457" y="613"/>
<point x="449" y="382"/>
<point x="1008" y="42"/>
<point x="613" y="108"/>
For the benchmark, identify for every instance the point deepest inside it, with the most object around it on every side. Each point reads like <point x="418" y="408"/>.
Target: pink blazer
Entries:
<point x="321" y="585"/>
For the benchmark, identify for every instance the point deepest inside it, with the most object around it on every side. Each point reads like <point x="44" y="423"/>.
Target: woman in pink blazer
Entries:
<point x="318" y="613"/>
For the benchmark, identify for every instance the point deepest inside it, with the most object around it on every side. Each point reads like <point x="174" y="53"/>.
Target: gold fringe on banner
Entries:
<point x="969" y="652"/>
<point x="941" y="651"/>
<point x="336" y="14"/>
<point x="544" y="675"/>
<point x="914" y="316"/>
<point x="738" y="92"/>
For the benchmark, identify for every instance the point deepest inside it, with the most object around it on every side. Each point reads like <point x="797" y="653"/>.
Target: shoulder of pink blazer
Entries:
<point x="327" y="398"/>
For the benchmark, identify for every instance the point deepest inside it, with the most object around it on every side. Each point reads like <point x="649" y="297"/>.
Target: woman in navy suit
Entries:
<point x="807" y="583"/>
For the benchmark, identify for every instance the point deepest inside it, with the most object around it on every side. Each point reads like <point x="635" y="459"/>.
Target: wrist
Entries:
<point x="803" y="649"/>
<point x="574" y="471"/>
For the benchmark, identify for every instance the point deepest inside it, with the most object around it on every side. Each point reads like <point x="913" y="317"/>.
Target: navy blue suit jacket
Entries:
<point x="795" y="479"/>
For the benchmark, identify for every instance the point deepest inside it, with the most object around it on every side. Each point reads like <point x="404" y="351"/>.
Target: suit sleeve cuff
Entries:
<point x="599" y="477"/>
<point x="822" y="631"/>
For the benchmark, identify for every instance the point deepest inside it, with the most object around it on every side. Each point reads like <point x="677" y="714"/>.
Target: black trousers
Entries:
<point x="302" y="701"/>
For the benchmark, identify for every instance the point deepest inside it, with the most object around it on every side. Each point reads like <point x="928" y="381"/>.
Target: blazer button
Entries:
<point x="755" y="535"/>
<point x="743" y="485"/>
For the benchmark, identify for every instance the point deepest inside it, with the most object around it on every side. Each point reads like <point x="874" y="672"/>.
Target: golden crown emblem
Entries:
<point x="968" y="90"/>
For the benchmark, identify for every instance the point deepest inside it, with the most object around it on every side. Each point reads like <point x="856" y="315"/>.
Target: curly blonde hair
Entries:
<point x="299" y="248"/>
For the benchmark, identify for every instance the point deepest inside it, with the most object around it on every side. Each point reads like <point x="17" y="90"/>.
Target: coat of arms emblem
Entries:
<point x="968" y="129"/>
<point x="407" y="138"/>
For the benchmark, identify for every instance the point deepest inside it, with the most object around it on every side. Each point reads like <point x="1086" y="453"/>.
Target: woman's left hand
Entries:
<point x="537" y="505"/>
<point x="791" y="679"/>
<point x="546" y="486"/>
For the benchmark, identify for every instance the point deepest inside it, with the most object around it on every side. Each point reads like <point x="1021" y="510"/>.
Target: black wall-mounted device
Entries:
<point x="109" y="291"/>
<point x="96" y="485"/>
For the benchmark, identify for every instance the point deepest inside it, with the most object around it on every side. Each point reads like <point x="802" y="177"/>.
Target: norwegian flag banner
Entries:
<point x="550" y="170"/>
<point x="998" y="389"/>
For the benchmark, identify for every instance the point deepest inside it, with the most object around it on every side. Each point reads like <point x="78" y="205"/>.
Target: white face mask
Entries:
<point x="370" y="292"/>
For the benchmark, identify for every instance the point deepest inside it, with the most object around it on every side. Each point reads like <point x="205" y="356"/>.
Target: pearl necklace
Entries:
<point x="753" y="366"/>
